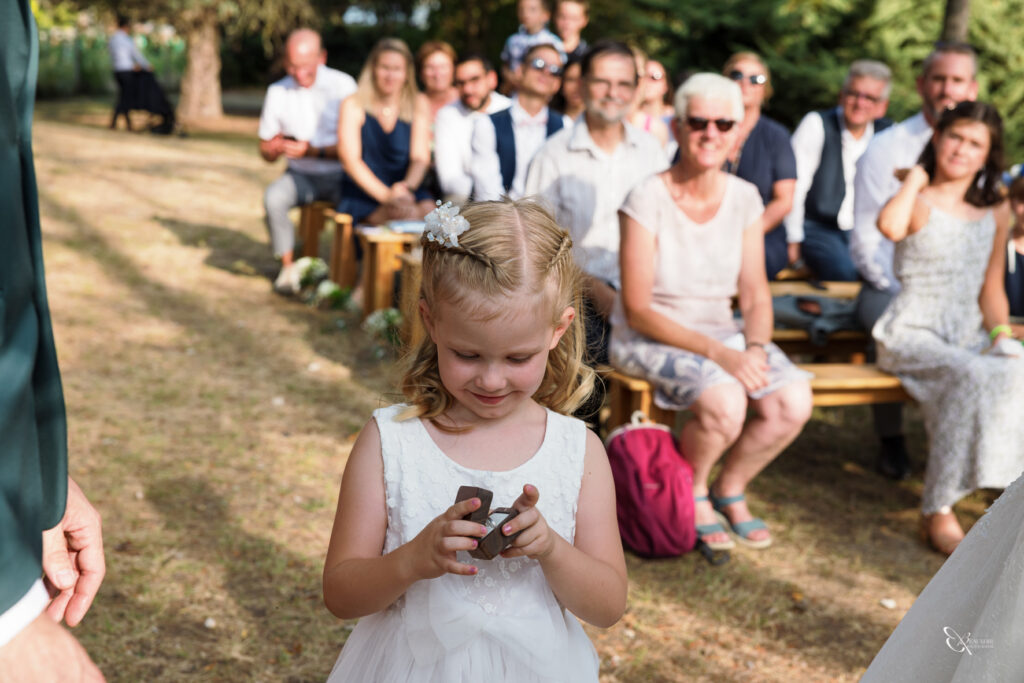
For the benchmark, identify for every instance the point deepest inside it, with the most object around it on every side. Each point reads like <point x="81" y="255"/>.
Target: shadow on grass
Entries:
<point x="230" y="250"/>
<point x="278" y="590"/>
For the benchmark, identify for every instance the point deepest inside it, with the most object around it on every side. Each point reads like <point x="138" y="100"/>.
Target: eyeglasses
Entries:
<point x="540" y="65"/>
<point x="755" y="79"/>
<point x="701" y="123"/>
<point x="854" y="95"/>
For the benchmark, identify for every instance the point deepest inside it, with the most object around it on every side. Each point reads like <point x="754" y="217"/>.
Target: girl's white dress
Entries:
<point x="968" y="623"/>
<point x="502" y="624"/>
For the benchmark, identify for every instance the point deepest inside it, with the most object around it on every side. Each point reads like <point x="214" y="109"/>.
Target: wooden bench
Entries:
<point x="312" y="221"/>
<point x="381" y="250"/>
<point x="834" y="384"/>
<point x="409" y="298"/>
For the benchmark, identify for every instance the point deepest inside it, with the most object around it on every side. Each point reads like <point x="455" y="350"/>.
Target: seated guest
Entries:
<point x="569" y="99"/>
<point x="692" y="239"/>
<point x="827" y="145"/>
<point x="762" y="155"/>
<point x="299" y="121"/>
<point x="1014" y="280"/>
<point x="504" y="143"/>
<point x="475" y="81"/>
<point x="585" y="171"/>
<point x="945" y="333"/>
<point x="384" y="133"/>
<point x="436" y="61"/>
<point x="571" y="17"/>
<point x="533" y="30"/>
<point x="641" y="117"/>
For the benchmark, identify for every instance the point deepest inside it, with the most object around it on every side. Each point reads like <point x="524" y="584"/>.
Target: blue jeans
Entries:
<point x="826" y="251"/>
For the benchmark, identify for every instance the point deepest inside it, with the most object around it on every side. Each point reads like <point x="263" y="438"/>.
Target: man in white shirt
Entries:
<point x="476" y="80"/>
<point x="827" y="145"/>
<point x="947" y="78"/>
<point x="504" y="143"/>
<point x="586" y="170"/>
<point x="125" y="59"/>
<point x="299" y="121"/>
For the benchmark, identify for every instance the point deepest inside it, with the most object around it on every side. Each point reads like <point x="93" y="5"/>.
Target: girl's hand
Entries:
<point x="434" y="548"/>
<point x="536" y="541"/>
<point x="750" y="367"/>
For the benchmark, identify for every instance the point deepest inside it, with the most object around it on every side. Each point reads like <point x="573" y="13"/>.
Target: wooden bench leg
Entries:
<point x="343" y="257"/>
<point x="311" y="222"/>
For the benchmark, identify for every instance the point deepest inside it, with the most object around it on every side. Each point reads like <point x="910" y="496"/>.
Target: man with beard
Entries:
<point x="947" y="78"/>
<point x="586" y="170"/>
<point x="475" y="80"/>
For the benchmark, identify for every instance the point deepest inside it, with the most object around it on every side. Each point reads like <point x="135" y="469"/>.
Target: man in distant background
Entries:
<point x="137" y="88"/>
<point x="299" y="121"/>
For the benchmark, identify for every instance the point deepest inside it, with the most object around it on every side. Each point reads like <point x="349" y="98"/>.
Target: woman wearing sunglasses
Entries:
<point x="691" y="240"/>
<point x="762" y="154"/>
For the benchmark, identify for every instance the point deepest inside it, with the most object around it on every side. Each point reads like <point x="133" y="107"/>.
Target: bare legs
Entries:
<point x="718" y="424"/>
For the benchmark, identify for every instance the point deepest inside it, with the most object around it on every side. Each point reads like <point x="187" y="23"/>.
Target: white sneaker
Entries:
<point x="287" y="281"/>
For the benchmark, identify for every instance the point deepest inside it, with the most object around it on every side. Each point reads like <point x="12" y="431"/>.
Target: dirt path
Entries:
<point x="210" y="421"/>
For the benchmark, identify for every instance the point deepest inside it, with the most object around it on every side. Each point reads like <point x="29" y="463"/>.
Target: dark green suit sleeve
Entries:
<point x="33" y="432"/>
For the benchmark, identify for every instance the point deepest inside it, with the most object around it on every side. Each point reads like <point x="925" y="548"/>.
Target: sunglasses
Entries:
<point x="755" y="79"/>
<point x="540" y="65"/>
<point x="701" y="123"/>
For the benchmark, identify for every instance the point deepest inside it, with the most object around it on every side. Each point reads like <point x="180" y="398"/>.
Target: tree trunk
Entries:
<point x="200" y="84"/>
<point x="954" y="27"/>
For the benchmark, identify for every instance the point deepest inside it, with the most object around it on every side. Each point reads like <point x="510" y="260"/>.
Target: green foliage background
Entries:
<point x="808" y="44"/>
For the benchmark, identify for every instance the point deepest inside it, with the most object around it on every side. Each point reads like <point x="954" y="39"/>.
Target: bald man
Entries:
<point x="299" y="121"/>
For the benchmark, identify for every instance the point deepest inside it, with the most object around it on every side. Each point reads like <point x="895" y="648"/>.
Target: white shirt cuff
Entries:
<point x="24" y="612"/>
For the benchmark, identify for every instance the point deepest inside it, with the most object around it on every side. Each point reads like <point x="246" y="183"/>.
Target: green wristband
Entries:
<point x="999" y="329"/>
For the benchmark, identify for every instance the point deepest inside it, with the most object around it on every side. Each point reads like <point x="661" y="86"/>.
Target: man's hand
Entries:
<point x="294" y="149"/>
<point x="43" y="652"/>
<point x="73" y="561"/>
<point x="793" y="252"/>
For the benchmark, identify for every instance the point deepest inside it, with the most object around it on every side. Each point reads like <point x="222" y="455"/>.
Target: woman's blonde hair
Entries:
<point x="511" y="248"/>
<point x="366" y="90"/>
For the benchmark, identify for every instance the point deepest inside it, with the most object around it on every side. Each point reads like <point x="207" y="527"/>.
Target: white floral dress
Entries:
<point x="931" y="336"/>
<point x="504" y="623"/>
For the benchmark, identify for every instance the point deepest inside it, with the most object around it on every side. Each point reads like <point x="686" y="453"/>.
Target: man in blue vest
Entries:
<point x="50" y="541"/>
<point x="504" y="142"/>
<point x="827" y="145"/>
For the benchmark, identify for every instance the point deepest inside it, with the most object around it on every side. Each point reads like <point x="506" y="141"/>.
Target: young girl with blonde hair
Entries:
<point x="489" y="392"/>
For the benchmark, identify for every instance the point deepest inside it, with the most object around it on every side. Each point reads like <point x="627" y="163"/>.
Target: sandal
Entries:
<point x="742" y="530"/>
<point x="709" y="529"/>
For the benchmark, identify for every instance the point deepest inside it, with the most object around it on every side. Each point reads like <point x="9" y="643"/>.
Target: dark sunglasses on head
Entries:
<point x="755" y="79"/>
<point x="540" y="65"/>
<point x="700" y="123"/>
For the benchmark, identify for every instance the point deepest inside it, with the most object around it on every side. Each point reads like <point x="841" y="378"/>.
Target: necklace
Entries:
<point x="386" y="110"/>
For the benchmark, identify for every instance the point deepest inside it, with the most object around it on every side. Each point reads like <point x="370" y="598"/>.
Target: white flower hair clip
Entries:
<point x="444" y="225"/>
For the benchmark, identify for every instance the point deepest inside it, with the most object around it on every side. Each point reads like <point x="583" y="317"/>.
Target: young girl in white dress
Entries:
<point x="489" y="392"/>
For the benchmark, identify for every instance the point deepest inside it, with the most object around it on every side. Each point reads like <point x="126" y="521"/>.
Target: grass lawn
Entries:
<point x="210" y="421"/>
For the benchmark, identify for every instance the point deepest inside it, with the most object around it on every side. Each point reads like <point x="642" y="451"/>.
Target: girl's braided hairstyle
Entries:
<point x="511" y="248"/>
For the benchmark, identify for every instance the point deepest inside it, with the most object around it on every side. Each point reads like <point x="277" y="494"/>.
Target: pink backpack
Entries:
<point x="653" y="489"/>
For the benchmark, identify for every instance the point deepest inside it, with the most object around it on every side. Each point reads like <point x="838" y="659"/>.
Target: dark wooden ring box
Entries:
<point x="491" y="545"/>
